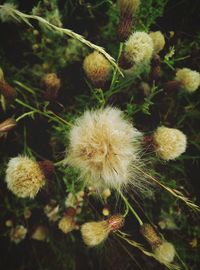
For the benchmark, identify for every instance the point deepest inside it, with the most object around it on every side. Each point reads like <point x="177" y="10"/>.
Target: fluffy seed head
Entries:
<point x="128" y="7"/>
<point x="165" y="253"/>
<point x="97" y="68"/>
<point x="103" y="145"/>
<point x="158" y="41"/>
<point x="94" y="233"/>
<point x="138" y="48"/>
<point x="66" y="224"/>
<point x="189" y="79"/>
<point x="24" y="177"/>
<point x="170" y="143"/>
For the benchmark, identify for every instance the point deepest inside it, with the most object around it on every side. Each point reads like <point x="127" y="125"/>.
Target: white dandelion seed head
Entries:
<point x="103" y="146"/>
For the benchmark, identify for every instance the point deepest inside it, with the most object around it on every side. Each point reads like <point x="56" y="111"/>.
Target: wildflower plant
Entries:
<point x="96" y="137"/>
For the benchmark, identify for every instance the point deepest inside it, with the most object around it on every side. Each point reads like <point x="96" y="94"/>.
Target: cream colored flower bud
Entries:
<point x="106" y="193"/>
<point x="170" y="143"/>
<point x="97" y="68"/>
<point x="189" y="79"/>
<point x="158" y="41"/>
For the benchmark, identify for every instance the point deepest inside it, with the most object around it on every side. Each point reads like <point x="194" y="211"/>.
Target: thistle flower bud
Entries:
<point x="9" y="223"/>
<point x="66" y="224"/>
<point x="189" y="79"/>
<point x="97" y="68"/>
<point x="150" y="235"/>
<point x="24" y="177"/>
<point x="165" y="252"/>
<point x="40" y="233"/>
<point x="128" y="9"/>
<point x="7" y="91"/>
<point x="158" y="41"/>
<point x="106" y="194"/>
<point x="106" y="211"/>
<point x="105" y="154"/>
<point x="52" y="84"/>
<point x="94" y="233"/>
<point x="7" y="125"/>
<point x="52" y="211"/>
<point x="138" y="48"/>
<point x="170" y="143"/>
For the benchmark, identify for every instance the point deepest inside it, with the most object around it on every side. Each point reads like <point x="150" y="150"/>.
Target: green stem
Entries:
<point x="129" y="207"/>
<point x="115" y="70"/>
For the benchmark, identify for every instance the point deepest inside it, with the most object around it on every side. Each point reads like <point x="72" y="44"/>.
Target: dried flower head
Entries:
<point x="66" y="224"/>
<point x="189" y="79"/>
<point x="24" y="177"/>
<point x="165" y="253"/>
<point x="18" y="233"/>
<point x="7" y="125"/>
<point x="94" y="233"/>
<point x="158" y="41"/>
<point x="150" y="235"/>
<point x="105" y="154"/>
<point x="52" y="84"/>
<point x="40" y="233"/>
<point x="138" y="48"/>
<point x="97" y="68"/>
<point x="170" y="143"/>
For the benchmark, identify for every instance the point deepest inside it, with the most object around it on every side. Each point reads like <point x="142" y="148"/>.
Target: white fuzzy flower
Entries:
<point x="103" y="145"/>
<point x="170" y="143"/>
<point x="189" y="79"/>
<point x="24" y="177"/>
<point x="138" y="48"/>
